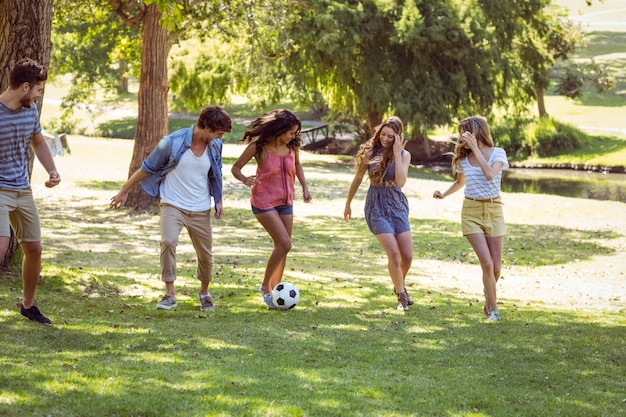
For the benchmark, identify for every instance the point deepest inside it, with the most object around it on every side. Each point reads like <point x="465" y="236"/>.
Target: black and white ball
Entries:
<point x="285" y="295"/>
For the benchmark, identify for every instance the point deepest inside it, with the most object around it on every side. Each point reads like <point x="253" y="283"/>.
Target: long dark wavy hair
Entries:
<point x="381" y="160"/>
<point x="268" y="127"/>
<point x="479" y="127"/>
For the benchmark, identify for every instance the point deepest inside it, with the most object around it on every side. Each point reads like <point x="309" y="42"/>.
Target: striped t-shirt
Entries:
<point x="17" y="128"/>
<point x="476" y="185"/>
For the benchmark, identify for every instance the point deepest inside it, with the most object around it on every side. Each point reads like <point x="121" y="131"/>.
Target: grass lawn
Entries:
<point x="344" y="350"/>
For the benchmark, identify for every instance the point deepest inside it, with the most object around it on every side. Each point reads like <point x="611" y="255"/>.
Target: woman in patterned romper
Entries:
<point x="386" y="206"/>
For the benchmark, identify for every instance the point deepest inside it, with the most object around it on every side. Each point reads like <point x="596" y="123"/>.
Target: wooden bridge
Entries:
<point x="315" y="137"/>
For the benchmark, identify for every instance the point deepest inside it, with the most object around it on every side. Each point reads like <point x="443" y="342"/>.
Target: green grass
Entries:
<point x="343" y="351"/>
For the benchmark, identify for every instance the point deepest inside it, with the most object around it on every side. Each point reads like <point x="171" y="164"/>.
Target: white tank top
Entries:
<point x="187" y="185"/>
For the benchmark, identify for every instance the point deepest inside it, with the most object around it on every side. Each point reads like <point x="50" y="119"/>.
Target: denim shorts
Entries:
<point x="282" y="210"/>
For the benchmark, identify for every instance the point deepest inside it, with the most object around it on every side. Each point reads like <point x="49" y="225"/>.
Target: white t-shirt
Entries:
<point x="187" y="185"/>
<point x="476" y="185"/>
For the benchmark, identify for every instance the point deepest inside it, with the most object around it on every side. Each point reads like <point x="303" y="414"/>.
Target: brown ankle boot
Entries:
<point x="403" y="301"/>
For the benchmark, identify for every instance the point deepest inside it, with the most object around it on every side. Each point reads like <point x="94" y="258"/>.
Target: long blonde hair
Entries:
<point x="479" y="127"/>
<point x="374" y="145"/>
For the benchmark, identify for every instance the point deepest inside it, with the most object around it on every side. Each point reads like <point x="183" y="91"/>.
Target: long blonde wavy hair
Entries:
<point x="384" y="160"/>
<point x="479" y="127"/>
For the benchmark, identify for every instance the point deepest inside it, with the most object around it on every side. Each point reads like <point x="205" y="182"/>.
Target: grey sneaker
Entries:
<point x="206" y="302"/>
<point x="167" y="302"/>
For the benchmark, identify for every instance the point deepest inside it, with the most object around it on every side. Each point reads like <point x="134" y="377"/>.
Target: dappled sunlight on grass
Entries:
<point x="344" y="350"/>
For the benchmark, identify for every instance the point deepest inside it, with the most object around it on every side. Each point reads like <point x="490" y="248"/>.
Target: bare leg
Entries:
<point x="394" y="260"/>
<point x="405" y="245"/>
<point x="485" y="248"/>
<point x="31" y="269"/>
<point x="279" y="228"/>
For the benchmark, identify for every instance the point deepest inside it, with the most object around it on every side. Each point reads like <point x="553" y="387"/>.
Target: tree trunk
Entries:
<point x="25" y="32"/>
<point x="373" y="120"/>
<point x="541" y="104"/>
<point x="123" y="77"/>
<point x="153" y="86"/>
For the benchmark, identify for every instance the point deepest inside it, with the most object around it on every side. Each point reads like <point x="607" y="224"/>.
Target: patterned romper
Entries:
<point x="386" y="207"/>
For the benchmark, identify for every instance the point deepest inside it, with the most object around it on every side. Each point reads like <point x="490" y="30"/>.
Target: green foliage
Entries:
<point x="523" y="137"/>
<point x="125" y="128"/>
<point x="510" y="133"/>
<point x="208" y="82"/>
<point x="549" y="137"/>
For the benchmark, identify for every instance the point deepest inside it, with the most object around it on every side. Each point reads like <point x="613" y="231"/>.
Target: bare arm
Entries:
<point x="458" y="183"/>
<point x="42" y="151"/>
<point x="306" y="195"/>
<point x="356" y="183"/>
<point x="245" y="157"/>
<point x="490" y="171"/>
<point x="402" y="161"/>
<point x="119" y="200"/>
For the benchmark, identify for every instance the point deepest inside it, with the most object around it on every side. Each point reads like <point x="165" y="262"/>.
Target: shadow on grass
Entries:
<point x="118" y="356"/>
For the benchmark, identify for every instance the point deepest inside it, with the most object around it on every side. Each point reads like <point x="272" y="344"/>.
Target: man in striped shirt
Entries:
<point x="19" y="130"/>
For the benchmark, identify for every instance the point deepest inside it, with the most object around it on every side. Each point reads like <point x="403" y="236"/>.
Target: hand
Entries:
<point x="347" y="213"/>
<point x="219" y="210"/>
<point x="307" y="196"/>
<point x="398" y="144"/>
<point x="54" y="180"/>
<point x="249" y="181"/>
<point x="469" y="138"/>
<point x="437" y="194"/>
<point x="119" y="200"/>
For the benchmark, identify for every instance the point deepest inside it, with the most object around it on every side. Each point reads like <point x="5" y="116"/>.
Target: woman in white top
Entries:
<point x="478" y="166"/>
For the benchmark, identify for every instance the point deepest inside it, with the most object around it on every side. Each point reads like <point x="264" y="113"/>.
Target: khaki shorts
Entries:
<point x="486" y="217"/>
<point x="18" y="211"/>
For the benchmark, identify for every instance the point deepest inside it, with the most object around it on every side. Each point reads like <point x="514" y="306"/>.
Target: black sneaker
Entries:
<point x="34" y="314"/>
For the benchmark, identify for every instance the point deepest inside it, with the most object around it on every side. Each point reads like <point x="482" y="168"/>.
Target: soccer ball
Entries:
<point x="285" y="295"/>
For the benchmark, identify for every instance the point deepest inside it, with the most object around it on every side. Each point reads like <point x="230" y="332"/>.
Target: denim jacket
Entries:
<point x="166" y="156"/>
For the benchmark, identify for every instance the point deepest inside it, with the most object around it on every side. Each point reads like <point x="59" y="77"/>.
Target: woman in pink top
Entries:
<point x="274" y="142"/>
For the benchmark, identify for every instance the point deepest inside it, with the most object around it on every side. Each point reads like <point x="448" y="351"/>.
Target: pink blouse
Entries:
<point x="275" y="181"/>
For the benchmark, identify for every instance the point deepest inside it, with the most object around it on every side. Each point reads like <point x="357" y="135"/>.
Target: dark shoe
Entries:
<point x="403" y="301"/>
<point x="34" y="314"/>
<point x="206" y="302"/>
<point x="408" y="298"/>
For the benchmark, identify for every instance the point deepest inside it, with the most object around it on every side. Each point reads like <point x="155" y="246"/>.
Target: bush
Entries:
<point x="549" y="137"/>
<point x="511" y="134"/>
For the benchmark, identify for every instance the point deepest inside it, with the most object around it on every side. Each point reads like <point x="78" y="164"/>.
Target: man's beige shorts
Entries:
<point x="18" y="211"/>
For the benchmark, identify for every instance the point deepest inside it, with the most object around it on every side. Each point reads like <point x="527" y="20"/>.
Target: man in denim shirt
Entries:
<point x="184" y="171"/>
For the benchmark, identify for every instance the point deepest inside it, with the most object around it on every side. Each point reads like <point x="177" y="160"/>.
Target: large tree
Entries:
<point x="25" y="28"/>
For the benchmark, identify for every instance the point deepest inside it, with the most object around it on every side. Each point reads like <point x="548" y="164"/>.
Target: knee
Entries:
<point x="283" y="246"/>
<point x="31" y="249"/>
<point x="395" y="258"/>
<point x="497" y="270"/>
<point x="487" y="266"/>
<point x="169" y="244"/>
